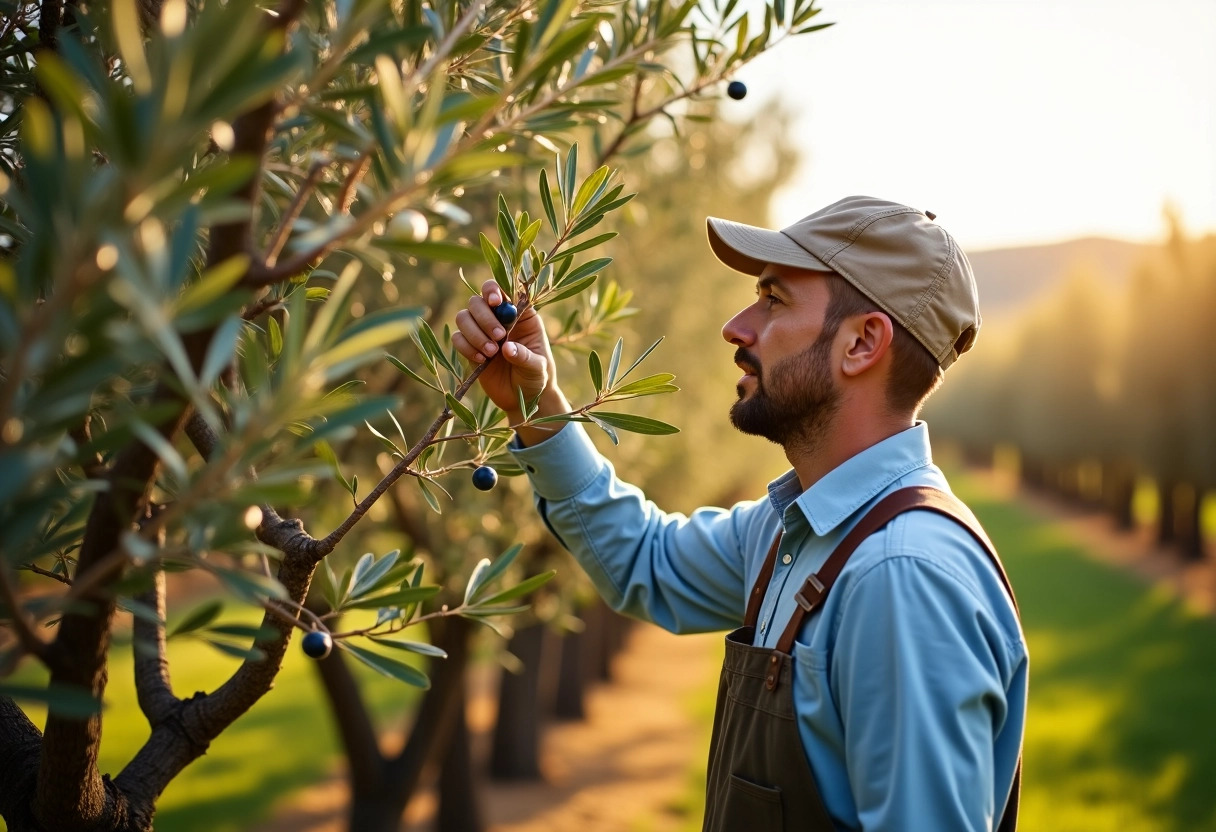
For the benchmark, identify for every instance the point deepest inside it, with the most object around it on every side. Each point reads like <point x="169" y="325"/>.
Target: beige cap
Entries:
<point x="895" y="255"/>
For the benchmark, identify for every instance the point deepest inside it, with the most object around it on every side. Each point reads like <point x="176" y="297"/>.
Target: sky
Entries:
<point x="1015" y="121"/>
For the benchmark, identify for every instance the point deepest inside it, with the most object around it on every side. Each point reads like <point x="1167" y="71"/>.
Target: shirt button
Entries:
<point x="787" y="558"/>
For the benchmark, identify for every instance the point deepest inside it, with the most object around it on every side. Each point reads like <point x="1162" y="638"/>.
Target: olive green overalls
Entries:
<point x="759" y="777"/>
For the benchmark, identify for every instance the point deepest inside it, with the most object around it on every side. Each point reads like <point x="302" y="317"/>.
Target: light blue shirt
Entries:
<point x="909" y="683"/>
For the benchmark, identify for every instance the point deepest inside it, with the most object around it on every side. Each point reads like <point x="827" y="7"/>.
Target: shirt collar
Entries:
<point x="856" y="481"/>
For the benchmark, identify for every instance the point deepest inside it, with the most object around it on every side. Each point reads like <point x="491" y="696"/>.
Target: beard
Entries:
<point x="794" y="400"/>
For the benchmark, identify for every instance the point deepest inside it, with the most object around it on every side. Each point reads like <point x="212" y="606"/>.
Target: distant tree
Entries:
<point x="1169" y="386"/>
<point x="1121" y="381"/>
<point x="1058" y="380"/>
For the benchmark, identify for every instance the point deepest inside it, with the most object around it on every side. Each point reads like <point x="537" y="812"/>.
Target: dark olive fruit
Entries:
<point x="506" y="313"/>
<point x="317" y="644"/>
<point x="485" y="478"/>
<point x="736" y="89"/>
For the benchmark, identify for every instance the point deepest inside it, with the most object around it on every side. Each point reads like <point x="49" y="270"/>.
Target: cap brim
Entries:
<point x="748" y="249"/>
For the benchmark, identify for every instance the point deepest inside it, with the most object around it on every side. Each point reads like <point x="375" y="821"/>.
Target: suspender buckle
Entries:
<point x="817" y="590"/>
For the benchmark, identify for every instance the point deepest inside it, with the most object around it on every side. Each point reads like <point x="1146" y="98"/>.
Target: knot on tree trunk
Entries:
<point x="186" y="721"/>
<point x="287" y="535"/>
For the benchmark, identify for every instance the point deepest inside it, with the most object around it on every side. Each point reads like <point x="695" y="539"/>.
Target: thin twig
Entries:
<point x="82" y="434"/>
<point x="288" y="220"/>
<point x="611" y="150"/>
<point x="46" y="573"/>
<point x="441" y="51"/>
<point x="266" y="304"/>
<point x="324" y="546"/>
<point x="440" y="613"/>
<point x="22" y="626"/>
<point x="347" y="197"/>
<point x="10" y="24"/>
<point x="625" y="57"/>
<point x="520" y="9"/>
<point x="275" y="604"/>
<point x="321" y="547"/>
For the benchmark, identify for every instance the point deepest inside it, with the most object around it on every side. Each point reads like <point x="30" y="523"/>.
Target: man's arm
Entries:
<point x="686" y="574"/>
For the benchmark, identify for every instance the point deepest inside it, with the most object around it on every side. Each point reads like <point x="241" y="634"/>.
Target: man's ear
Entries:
<point x="868" y="339"/>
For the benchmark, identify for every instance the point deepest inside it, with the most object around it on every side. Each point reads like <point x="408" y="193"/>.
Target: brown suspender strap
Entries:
<point x="816" y="587"/>
<point x="762" y="580"/>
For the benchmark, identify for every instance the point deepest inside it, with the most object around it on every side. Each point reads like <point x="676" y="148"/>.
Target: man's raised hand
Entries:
<point x="526" y="362"/>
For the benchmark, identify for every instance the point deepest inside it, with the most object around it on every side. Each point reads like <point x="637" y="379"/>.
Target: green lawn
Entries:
<point x="284" y="743"/>
<point x="1121" y="734"/>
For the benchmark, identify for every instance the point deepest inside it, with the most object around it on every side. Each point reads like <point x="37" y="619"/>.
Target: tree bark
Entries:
<point x="354" y="724"/>
<point x="67" y="792"/>
<point x="598" y="654"/>
<point x="1119" y="485"/>
<point x="458" y="805"/>
<point x="1166" y="532"/>
<point x="515" y="754"/>
<point x="618" y="627"/>
<point x="1187" y="523"/>
<point x="1070" y="482"/>
<point x="377" y="805"/>
<point x="20" y="745"/>
<point x="571" y="677"/>
<point x="1032" y="472"/>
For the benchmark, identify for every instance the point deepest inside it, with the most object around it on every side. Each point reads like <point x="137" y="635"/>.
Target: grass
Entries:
<point x="285" y="743"/>
<point x="1121" y="733"/>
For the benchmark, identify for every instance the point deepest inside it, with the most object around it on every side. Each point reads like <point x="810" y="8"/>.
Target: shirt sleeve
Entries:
<point x="685" y="574"/>
<point x="919" y="669"/>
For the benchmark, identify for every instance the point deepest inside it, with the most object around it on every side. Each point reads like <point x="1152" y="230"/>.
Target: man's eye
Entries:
<point x="772" y="300"/>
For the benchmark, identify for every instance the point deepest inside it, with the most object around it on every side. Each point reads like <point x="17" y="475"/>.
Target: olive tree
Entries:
<point x="195" y="194"/>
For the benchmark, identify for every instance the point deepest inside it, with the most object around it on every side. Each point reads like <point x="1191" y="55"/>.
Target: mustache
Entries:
<point x="747" y="361"/>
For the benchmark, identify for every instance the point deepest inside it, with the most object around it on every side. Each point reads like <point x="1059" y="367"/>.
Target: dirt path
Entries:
<point x="623" y="765"/>
<point x="619" y="769"/>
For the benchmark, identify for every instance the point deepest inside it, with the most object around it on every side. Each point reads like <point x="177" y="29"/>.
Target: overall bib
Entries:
<point x="759" y="778"/>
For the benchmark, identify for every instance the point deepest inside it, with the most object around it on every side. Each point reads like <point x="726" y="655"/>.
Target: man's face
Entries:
<point x="788" y="393"/>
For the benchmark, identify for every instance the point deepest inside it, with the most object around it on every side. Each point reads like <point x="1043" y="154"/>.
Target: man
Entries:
<point x="879" y="679"/>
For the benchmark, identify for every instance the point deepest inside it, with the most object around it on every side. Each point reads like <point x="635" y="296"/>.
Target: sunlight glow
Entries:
<point x="1016" y="121"/>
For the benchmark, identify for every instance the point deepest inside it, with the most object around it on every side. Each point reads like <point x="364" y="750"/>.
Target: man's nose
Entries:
<point x="738" y="331"/>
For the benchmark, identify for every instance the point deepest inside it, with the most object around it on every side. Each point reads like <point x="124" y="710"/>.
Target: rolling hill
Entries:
<point x="1011" y="278"/>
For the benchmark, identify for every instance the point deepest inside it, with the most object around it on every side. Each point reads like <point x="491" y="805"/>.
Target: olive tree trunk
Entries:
<point x="515" y="753"/>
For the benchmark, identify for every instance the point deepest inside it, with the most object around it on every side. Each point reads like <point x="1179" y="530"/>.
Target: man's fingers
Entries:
<point x="520" y="356"/>
<point x="484" y="315"/>
<point x="474" y="335"/>
<point x="491" y="292"/>
<point x="466" y="349"/>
